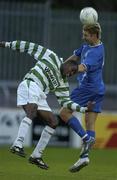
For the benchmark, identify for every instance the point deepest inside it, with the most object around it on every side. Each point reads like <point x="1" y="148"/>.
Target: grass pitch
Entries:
<point x="103" y="165"/>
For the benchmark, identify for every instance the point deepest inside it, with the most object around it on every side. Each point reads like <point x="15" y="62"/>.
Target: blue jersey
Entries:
<point x="93" y="58"/>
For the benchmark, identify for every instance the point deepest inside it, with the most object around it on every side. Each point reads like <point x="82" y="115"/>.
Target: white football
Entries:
<point x="88" y="15"/>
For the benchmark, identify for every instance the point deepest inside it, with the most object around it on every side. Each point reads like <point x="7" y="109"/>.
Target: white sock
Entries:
<point x="23" y="128"/>
<point x="43" y="141"/>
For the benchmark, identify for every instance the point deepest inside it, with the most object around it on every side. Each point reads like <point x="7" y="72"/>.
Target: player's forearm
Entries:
<point x="73" y="58"/>
<point x="14" y="45"/>
<point x="72" y="106"/>
<point x="21" y="46"/>
<point x="67" y="103"/>
<point x="30" y="48"/>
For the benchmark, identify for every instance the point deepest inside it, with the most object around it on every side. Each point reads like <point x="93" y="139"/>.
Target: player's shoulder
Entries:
<point x="99" y="49"/>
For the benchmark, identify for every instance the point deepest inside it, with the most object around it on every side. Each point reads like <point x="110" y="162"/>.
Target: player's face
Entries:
<point x="69" y="70"/>
<point x="87" y="37"/>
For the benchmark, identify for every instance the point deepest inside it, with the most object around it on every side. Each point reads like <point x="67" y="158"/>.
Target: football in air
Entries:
<point x="88" y="15"/>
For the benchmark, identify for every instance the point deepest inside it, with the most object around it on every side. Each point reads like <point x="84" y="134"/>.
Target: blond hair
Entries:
<point x="93" y="29"/>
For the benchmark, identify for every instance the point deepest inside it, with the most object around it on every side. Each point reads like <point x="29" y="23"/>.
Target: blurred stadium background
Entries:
<point x="54" y="24"/>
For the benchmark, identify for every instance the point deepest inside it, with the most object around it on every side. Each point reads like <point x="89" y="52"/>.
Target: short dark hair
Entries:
<point x="71" y="62"/>
<point x="93" y="29"/>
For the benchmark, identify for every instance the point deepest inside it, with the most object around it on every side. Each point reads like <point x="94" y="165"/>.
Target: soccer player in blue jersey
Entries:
<point x="91" y="86"/>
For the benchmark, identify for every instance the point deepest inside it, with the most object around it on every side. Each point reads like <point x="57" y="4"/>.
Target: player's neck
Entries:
<point x="97" y="42"/>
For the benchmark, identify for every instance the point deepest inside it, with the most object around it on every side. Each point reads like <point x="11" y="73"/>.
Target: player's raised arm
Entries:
<point x="30" y="48"/>
<point x="22" y="46"/>
<point x="73" y="58"/>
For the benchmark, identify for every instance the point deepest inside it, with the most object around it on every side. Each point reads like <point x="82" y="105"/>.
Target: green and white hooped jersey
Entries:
<point x="46" y="72"/>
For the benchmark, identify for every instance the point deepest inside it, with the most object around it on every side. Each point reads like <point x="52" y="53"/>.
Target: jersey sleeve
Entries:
<point x="30" y="48"/>
<point x="78" y="51"/>
<point x="63" y="97"/>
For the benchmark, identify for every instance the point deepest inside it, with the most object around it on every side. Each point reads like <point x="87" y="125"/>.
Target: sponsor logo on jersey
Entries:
<point x="51" y="78"/>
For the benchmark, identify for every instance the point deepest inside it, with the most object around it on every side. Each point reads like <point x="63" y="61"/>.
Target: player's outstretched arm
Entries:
<point x="33" y="49"/>
<point x="73" y="58"/>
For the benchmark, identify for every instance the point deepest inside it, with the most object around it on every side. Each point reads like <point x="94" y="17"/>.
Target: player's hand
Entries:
<point x="2" y="44"/>
<point x="90" y="106"/>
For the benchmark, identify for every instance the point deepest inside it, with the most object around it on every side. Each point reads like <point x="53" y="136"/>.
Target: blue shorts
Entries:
<point x="81" y="96"/>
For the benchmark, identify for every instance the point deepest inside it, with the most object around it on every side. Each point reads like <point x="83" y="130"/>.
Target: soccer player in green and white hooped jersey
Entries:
<point x="46" y="72"/>
<point x="49" y="74"/>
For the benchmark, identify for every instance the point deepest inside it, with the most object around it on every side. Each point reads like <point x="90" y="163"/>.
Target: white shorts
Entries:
<point x="29" y="92"/>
